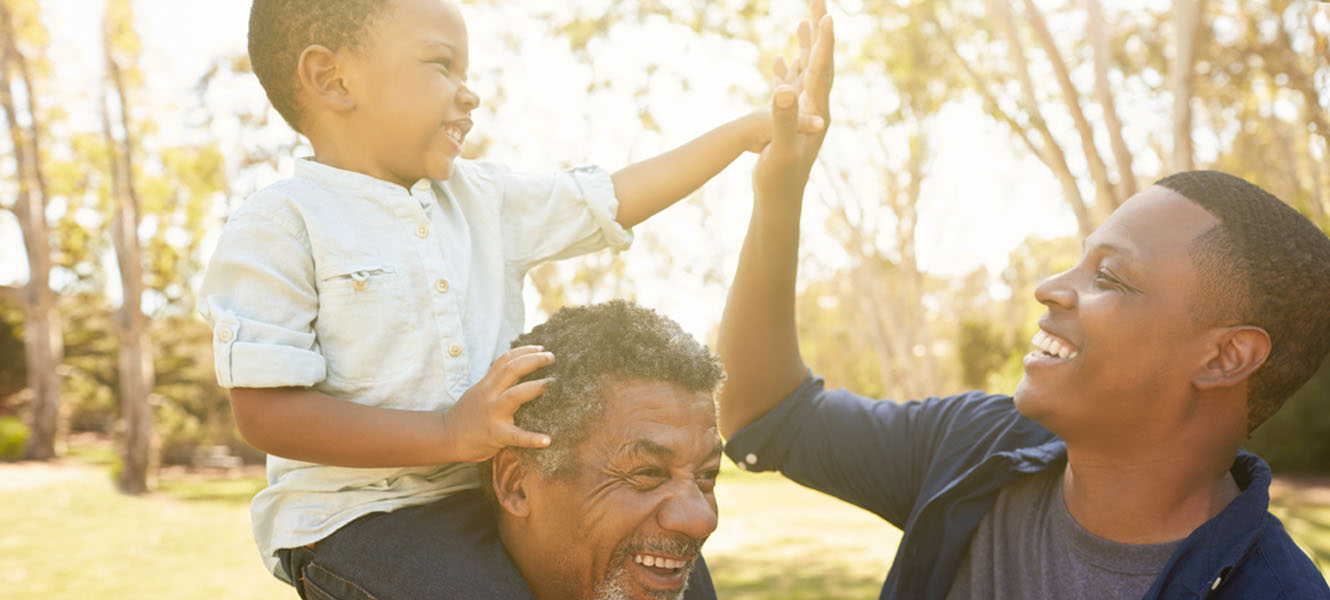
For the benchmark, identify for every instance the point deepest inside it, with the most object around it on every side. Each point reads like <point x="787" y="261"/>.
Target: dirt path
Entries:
<point x="29" y="475"/>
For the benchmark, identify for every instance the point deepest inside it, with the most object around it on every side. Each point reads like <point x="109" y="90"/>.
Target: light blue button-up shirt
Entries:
<point x="372" y="293"/>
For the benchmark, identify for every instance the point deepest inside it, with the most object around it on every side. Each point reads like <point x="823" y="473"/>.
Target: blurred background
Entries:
<point x="974" y="145"/>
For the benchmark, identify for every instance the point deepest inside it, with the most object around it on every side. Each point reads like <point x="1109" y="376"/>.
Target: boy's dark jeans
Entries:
<point x="447" y="549"/>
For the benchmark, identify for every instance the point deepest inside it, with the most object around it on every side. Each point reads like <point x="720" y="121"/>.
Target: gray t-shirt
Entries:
<point x="1029" y="546"/>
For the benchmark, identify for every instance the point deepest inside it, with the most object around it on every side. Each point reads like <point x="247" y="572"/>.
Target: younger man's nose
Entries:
<point x="1056" y="291"/>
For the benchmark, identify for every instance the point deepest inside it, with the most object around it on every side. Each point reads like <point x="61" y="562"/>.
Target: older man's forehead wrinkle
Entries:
<point x="648" y="447"/>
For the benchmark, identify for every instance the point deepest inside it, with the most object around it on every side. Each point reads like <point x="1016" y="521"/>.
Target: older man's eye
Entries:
<point x="706" y="480"/>
<point x="649" y="477"/>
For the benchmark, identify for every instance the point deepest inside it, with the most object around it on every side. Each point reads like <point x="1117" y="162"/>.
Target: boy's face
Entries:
<point x="408" y="81"/>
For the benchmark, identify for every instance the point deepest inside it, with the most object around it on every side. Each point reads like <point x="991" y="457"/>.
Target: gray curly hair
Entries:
<point x="596" y="345"/>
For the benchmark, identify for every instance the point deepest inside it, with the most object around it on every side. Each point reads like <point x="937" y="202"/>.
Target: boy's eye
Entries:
<point x="446" y="63"/>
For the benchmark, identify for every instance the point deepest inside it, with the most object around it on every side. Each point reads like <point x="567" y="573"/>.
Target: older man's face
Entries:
<point x="629" y="523"/>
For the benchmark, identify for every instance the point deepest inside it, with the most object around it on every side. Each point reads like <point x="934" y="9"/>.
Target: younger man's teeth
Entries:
<point x="1052" y="347"/>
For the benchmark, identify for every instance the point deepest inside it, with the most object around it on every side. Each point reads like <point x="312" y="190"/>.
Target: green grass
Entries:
<point x="79" y="538"/>
<point x="1309" y="525"/>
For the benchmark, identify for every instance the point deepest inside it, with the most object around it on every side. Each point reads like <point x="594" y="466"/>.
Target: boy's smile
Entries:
<point x="408" y="83"/>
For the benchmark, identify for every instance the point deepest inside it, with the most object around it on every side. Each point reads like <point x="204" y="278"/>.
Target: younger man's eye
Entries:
<point x="1105" y="279"/>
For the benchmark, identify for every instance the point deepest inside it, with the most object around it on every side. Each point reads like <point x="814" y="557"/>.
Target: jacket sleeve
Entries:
<point x="874" y="454"/>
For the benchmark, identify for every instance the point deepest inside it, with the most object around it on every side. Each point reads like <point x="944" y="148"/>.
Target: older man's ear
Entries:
<point x="509" y="480"/>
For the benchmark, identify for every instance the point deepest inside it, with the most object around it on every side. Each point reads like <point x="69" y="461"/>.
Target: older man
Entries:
<point x="619" y="504"/>
<point x="1116" y="470"/>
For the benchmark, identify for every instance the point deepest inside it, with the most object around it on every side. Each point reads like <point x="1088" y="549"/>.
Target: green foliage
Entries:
<point x="13" y="358"/>
<point x="1297" y="438"/>
<point x="982" y="350"/>
<point x="13" y="438"/>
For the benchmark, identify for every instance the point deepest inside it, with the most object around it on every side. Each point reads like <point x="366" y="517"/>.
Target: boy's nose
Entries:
<point x="467" y="99"/>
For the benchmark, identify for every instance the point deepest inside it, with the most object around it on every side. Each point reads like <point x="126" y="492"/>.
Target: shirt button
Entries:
<point x="454" y="350"/>
<point x="751" y="459"/>
<point x="422" y="232"/>
<point x="441" y="286"/>
<point x="224" y="335"/>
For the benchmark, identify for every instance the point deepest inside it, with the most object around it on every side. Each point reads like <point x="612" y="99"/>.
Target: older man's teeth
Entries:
<point x="659" y="562"/>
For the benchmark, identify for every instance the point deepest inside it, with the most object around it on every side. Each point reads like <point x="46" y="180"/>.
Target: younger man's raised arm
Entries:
<point x="758" y="343"/>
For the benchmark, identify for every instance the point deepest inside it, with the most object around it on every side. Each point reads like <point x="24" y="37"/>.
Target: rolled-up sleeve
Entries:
<point x="259" y="296"/>
<point x="550" y="216"/>
<point x="867" y="452"/>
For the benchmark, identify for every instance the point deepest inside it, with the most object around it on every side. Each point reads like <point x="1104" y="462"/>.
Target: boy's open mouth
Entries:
<point x="457" y="129"/>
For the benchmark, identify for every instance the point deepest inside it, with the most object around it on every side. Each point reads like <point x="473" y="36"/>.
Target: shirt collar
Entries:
<point x="1223" y="540"/>
<point x="361" y="185"/>
<point x="1217" y="544"/>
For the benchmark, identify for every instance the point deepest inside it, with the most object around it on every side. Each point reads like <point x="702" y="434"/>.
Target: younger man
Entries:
<point x="357" y="307"/>
<point x="1116" y="470"/>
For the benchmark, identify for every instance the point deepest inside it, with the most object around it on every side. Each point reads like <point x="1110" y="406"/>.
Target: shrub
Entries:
<point x="13" y="438"/>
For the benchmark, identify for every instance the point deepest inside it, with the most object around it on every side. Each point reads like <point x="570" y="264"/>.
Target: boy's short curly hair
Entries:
<point x="1264" y="264"/>
<point x="279" y="30"/>
<point x="593" y="346"/>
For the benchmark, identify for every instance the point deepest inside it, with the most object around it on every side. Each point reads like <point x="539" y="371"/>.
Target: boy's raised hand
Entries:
<point x="802" y="95"/>
<point x="481" y="423"/>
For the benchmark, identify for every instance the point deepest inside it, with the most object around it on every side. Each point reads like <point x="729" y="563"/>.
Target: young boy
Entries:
<point x="357" y="307"/>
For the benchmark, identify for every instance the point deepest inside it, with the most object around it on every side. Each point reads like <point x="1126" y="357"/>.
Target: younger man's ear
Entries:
<point x="321" y="77"/>
<point x="509" y="479"/>
<point x="1238" y="352"/>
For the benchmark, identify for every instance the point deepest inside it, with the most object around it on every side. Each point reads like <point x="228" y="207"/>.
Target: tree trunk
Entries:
<point x="1187" y="24"/>
<point x="1098" y="27"/>
<point x="42" y="337"/>
<point x="135" y="364"/>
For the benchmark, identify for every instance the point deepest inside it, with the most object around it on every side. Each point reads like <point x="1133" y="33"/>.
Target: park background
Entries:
<point x="974" y="145"/>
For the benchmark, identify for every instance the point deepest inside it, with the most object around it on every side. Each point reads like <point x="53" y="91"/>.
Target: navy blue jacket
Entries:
<point x="933" y="468"/>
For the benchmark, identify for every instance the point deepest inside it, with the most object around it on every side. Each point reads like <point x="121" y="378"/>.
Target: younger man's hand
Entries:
<point x="481" y="423"/>
<point x="802" y="94"/>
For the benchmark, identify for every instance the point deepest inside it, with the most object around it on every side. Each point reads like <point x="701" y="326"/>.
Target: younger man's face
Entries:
<point x="1124" y="321"/>
<point x="408" y="80"/>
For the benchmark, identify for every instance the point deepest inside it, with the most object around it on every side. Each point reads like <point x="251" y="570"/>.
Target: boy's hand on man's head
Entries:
<point x="481" y="423"/>
<point x="801" y="99"/>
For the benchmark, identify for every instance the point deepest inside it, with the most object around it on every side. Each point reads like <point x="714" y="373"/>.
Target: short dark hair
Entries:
<point x="279" y="30"/>
<point x="1273" y="266"/>
<point x="593" y="346"/>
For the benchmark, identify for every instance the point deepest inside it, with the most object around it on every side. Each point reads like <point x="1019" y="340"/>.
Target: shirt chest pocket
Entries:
<point x="363" y="325"/>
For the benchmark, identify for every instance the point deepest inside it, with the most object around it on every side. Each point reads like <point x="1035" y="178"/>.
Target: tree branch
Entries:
<point x="1072" y="98"/>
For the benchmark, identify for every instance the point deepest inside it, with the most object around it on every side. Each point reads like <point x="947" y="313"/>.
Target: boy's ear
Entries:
<point x="321" y="76"/>
<point x="1238" y="352"/>
<point x="509" y="478"/>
